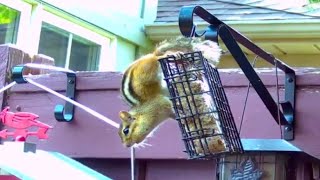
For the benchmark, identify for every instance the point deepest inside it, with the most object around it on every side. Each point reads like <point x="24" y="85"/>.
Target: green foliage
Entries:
<point x="7" y="15"/>
<point x="314" y="1"/>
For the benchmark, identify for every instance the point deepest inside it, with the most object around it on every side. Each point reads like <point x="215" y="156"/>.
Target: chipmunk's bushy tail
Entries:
<point x="209" y="49"/>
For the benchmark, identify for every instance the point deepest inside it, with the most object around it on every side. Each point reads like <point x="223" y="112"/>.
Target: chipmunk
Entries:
<point x="144" y="89"/>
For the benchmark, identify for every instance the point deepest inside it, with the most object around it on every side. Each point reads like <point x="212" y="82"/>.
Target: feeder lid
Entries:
<point x="268" y="145"/>
<point x="43" y="165"/>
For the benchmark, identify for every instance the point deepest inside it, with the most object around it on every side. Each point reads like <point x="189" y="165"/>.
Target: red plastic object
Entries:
<point x="21" y="121"/>
<point x="8" y="177"/>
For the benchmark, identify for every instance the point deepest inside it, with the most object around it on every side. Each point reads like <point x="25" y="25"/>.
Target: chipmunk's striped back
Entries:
<point x="140" y="81"/>
<point x="127" y="89"/>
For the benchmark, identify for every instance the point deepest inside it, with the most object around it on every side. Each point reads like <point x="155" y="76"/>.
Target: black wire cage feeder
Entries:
<point x="201" y="106"/>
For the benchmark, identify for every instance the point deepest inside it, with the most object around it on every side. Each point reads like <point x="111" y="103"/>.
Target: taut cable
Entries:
<point x="92" y="112"/>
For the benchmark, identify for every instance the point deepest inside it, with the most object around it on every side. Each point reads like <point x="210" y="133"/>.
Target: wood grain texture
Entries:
<point x="119" y="169"/>
<point x="88" y="136"/>
<point x="112" y="80"/>
<point x="85" y="81"/>
<point x="11" y="56"/>
<point x="4" y="51"/>
<point x="181" y="170"/>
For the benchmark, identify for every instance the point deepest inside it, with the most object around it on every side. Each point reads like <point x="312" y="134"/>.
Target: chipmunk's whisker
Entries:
<point x="142" y="144"/>
<point x="136" y="146"/>
<point x="151" y="134"/>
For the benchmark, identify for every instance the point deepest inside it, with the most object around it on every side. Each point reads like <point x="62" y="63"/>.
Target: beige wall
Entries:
<point x="126" y="53"/>
<point x="294" y="60"/>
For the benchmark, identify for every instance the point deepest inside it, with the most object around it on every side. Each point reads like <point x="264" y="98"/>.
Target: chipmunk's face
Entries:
<point x="129" y="131"/>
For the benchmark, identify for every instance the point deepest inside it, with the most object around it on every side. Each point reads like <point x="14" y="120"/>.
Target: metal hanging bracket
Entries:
<point x="62" y="113"/>
<point x="66" y="113"/>
<point x="231" y="38"/>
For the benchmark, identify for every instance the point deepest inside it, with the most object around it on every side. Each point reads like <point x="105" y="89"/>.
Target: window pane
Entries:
<point x="9" y="20"/>
<point x="54" y="43"/>
<point x="84" y="55"/>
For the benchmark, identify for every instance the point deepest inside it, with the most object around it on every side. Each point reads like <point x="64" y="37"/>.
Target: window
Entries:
<point x="73" y="46"/>
<point x="73" y="43"/>
<point x="69" y="50"/>
<point x="9" y="22"/>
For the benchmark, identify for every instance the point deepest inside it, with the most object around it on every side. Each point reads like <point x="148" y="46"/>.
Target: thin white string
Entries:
<point x="92" y="112"/>
<point x="278" y="97"/>
<point x="8" y="86"/>
<point x="132" y="162"/>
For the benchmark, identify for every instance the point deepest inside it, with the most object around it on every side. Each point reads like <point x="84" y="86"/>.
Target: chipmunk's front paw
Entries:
<point x="177" y="54"/>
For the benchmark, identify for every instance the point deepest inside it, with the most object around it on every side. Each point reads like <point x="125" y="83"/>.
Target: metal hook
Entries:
<point x="66" y="113"/>
<point x="188" y="28"/>
<point x="62" y="113"/>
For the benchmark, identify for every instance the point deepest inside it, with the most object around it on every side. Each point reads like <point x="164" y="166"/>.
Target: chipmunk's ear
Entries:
<point x="124" y="115"/>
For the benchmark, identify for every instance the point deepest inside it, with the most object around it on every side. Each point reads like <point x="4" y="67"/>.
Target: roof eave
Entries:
<point x="266" y="29"/>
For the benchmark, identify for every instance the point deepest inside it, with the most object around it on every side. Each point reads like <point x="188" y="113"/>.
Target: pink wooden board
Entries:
<point x="88" y="136"/>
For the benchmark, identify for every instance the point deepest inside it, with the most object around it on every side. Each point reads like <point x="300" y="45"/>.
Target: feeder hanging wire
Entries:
<point x="278" y="97"/>
<point x="247" y="95"/>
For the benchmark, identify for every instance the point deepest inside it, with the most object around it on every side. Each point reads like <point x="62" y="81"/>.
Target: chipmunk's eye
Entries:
<point x="132" y="118"/>
<point x="126" y="130"/>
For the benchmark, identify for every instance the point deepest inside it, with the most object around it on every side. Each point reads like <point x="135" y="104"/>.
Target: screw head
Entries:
<point x="290" y="80"/>
<point x="288" y="128"/>
<point x="18" y="108"/>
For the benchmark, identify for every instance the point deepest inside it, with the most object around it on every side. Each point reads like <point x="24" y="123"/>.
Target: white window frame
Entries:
<point x="30" y="23"/>
<point x="23" y="39"/>
<point x="106" y="59"/>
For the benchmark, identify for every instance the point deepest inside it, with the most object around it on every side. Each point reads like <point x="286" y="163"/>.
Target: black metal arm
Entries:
<point x="231" y="38"/>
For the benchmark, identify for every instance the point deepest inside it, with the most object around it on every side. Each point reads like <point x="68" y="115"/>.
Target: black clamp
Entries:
<point x="17" y="74"/>
<point x="230" y="37"/>
<point x="62" y="113"/>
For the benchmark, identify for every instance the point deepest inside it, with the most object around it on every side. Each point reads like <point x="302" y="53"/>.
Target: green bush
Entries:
<point x="314" y="1"/>
<point x="7" y="15"/>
